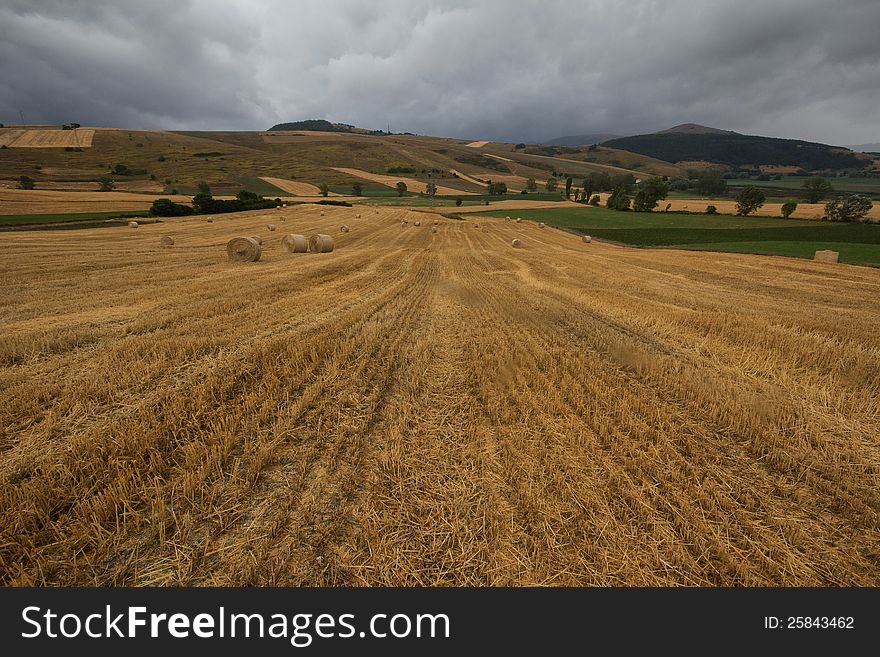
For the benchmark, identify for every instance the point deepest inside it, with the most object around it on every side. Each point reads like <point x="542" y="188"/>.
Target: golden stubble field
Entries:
<point x="421" y="408"/>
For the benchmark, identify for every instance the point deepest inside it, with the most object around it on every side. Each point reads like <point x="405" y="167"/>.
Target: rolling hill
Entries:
<point x="690" y="142"/>
<point x="158" y="162"/>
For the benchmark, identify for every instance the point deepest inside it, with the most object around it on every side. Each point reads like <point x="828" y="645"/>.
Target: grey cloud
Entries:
<point x="513" y="70"/>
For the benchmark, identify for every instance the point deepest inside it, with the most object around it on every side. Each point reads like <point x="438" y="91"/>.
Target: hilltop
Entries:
<point x="691" y="142"/>
<point x="320" y="125"/>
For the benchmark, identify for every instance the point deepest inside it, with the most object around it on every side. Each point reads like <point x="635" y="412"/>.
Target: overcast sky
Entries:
<point x="507" y="70"/>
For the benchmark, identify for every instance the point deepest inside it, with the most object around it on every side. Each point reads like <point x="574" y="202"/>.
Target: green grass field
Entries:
<point x="29" y="219"/>
<point x="857" y="243"/>
<point x="791" y="185"/>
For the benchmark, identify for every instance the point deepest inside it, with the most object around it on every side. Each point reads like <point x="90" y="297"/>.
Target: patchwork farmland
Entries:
<point x="431" y="408"/>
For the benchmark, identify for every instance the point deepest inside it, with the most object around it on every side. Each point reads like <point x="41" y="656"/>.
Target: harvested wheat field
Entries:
<point x="49" y="201"/>
<point x="52" y="138"/>
<point x="296" y="187"/>
<point x="419" y="408"/>
<point x="412" y="184"/>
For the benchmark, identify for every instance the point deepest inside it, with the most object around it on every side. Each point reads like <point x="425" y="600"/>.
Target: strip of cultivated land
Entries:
<point x="856" y="243"/>
<point x="420" y="408"/>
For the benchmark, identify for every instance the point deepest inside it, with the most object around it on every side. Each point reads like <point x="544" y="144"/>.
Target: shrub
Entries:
<point x="402" y="169"/>
<point x="105" y="184"/>
<point x="457" y="202"/>
<point x="25" y="182"/>
<point x="594" y="200"/>
<point x="161" y="158"/>
<point x="788" y="208"/>
<point x="711" y="209"/>
<point x="164" y="207"/>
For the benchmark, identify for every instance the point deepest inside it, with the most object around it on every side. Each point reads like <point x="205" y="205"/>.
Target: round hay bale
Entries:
<point x="243" y="249"/>
<point x="518" y="220"/>
<point x="403" y="224"/>
<point x="436" y="222"/>
<point x="132" y="224"/>
<point x="320" y="243"/>
<point x="587" y="239"/>
<point x="284" y="205"/>
<point x="417" y="223"/>
<point x="271" y="227"/>
<point x="434" y="229"/>
<point x="541" y="225"/>
<point x="210" y="220"/>
<point x="476" y="225"/>
<point x="506" y="218"/>
<point x="167" y="240"/>
<point x="322" y="213"/>
<point x="344" y="228"/>
<point x="358" y="215"/>
<point x="294" y="243"/>
<point x="516" y="244"/>
<point x="257" y="239"/>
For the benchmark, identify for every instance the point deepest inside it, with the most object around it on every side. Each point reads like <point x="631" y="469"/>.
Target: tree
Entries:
<point x="851" y="208"/>
<point x="247" y="197"/>
<point x="25" y="182"/>
<point x="457" y="202"/>
<point x="710" y="183"/>
<point x="519" y="147"/>
<point x="593" y="148"/>
<point x="594" y="200"/>
<point x="120" y="170"/>
<point x="203" y="203"/>
<point x="204" y="188"/>
<point x="816" y="189"/>
<point x="711" y="209"/>
<point x="324" y="189"/>
<point x="531" y="185"/>
<point x="567" y="186"/>
<point x="551" y="184"/>
<point x="431" y="188"/>
<point x="788" y="208"/>
<point x="106" y="184"/>
<point x="357" y="189"/>
<point x="588" y="187"/>
<point x="497" y="188"/>
<point x="600" y="181"/>
<point x="650" y="192"/>
<point x="748" y="200"/>
<point x="401" y="188"/>
<point x="619" y="200"/>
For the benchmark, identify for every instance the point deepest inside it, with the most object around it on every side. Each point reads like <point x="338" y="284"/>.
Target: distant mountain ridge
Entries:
<point x="693" y="142"/>
<point x="865" y="148"/>
<point x="581" y="140"/>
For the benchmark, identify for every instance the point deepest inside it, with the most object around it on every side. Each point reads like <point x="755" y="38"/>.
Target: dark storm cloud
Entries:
<point x="498" y="70"/>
